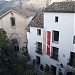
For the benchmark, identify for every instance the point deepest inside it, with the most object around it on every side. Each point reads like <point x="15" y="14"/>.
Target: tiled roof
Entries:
<point x="25" y="13"/>
<point x="8" y="9"/>
<point x="66" y="6"/>
<point x="5" y="6"/>
<point x="37" y="21"/>
<point x="28" y="13"/>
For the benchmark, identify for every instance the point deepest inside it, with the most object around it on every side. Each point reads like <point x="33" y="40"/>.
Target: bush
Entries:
<point x="10" y="62"/>
<point x="47" y="68"/>
<point x="34" y="62"/>
<point x="41" y="67"/>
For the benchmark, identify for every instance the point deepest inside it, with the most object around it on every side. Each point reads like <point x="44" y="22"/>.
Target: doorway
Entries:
<point x="38" y="60"/>
<point x="15" y="44"/>
<point x="53" y="68"/>
<point x="70" y="73"/>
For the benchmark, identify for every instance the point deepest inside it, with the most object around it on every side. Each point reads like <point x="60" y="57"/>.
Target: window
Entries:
<point x="55" y="36"/>
<point x="38" y="31"/>
<point x="38" y="59"/>
<point x="15" y="44"/>
<point x="53" y="68"/>
<point x="54" y="53"/>
<point x="56" y="19"/>
<point x="72" y="59"/>
<point x="74" y="40"/>
<point x="12" y="21"/>
<point x="39" y="47"/>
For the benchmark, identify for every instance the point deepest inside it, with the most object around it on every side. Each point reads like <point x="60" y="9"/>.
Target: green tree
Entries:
<point x="10" y="63"/>
<point x="3" y="37"/>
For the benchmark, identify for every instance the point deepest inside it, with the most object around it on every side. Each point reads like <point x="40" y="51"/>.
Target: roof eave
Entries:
<point x="61" y="11"/>
<point x="11" y="10"/>
<point x="5" y="13"/>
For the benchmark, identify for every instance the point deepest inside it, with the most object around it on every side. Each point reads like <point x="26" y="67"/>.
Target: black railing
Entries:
<point x="72" y="59"/>
<point x="70" y="63"/>
<point x="39" y="50"/>
<point x="54" y="57"/>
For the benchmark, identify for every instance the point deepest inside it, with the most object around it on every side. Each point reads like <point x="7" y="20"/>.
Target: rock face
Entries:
<point x="33" y="5"/>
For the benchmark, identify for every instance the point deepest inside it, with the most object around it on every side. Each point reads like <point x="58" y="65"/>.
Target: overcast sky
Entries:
<point x="7" y="0"/>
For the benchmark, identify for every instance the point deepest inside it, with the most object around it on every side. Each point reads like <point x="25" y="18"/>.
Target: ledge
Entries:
<point x="39" y="52"/>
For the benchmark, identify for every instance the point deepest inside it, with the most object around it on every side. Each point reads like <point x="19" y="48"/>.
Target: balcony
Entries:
<point x="72" y="60"/>
<point x="71" y="64"/>
<point x="39" y="50"/>
<point x="54" y="57"/>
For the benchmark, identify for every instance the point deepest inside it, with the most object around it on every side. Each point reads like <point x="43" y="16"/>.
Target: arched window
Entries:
<point x="12" y="21"/>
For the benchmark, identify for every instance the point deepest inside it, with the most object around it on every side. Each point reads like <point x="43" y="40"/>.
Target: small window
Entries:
<point x="72" y="59"/>
<point x="39" y="47"/>
<point x="38" y="31"/>
<point x="56" y="19"/>
<point x="38" y="60"/>
<point x="55" y="36"/>
<point x="74" y="40"/>
<point x="54" y="53"/>
<point x="12" y="21"/>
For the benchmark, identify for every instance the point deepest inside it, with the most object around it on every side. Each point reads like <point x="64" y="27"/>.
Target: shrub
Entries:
<point x="41" y="67"/>
<point x="47" y="68"/>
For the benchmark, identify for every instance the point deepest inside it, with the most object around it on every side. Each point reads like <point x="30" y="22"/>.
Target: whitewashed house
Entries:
<point x="51" y="37"/>
<point x="14" y="23"/>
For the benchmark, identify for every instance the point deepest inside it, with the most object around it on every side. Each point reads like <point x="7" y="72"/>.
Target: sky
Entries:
<point x="7" y="0"/>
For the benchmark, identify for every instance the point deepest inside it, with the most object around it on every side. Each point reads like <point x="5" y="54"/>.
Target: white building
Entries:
<point x="14" y="23"/>
<point x="51" y="37"/>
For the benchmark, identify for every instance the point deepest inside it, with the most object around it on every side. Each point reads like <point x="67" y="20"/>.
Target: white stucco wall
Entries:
<point x="74" y="32"/>
<point x="65" y="26"/>
<point x="32" y="39"/>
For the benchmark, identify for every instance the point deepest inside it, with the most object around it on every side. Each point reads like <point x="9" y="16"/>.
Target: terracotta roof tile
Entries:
<point x="66" y="6"/>
<point x="37" y="21"/>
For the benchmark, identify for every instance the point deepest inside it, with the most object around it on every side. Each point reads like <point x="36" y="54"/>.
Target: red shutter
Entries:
<point x="48" y="42"/>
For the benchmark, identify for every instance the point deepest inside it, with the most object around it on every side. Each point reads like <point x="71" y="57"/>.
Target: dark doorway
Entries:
<point x="70" y="73"/>
<point x="15" y="44"/>
<point x="38" y="60"/>
<point x="53" y="68"/>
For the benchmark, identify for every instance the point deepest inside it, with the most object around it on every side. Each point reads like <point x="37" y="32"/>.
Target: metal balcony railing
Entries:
<point x="70" y="63"/>
<point x="54" y="57"/>
<point x="39" y="50"/>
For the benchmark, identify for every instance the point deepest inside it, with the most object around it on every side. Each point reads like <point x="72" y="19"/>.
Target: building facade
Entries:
<point x="14" y="24"/>
<point x="51" y="40"/>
